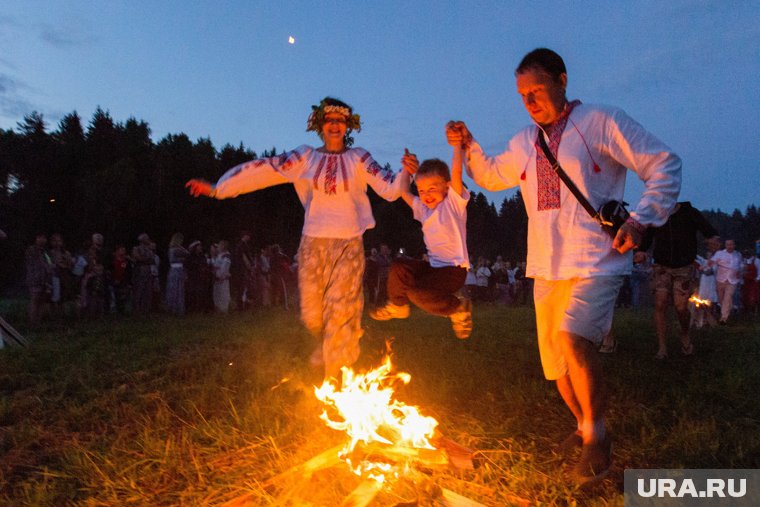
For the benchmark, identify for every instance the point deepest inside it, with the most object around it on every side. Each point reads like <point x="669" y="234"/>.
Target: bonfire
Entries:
<point x="387" y="443"/>
<point x="368" y="414"/>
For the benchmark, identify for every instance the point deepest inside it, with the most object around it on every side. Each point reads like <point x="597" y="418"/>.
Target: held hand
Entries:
<point x="627" y="237"/>
<point x="457" y="134"/>
<point x="198" y="187"/>
<point x="409" y="162"/>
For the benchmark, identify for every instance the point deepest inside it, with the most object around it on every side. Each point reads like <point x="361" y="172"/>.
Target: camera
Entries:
<point x="612" y="215"/>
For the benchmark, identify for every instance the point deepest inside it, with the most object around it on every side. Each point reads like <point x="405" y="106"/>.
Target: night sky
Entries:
<point x="689" y="71"/>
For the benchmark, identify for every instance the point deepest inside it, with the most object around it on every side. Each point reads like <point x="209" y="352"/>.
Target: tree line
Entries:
<point x="111" y="177"/>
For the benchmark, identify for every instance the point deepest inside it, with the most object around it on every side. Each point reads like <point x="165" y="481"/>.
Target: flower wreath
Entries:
<point x="317" y="119"/>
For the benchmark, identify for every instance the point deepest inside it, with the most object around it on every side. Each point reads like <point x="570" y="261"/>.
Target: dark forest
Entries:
<point x="111" y="177"/>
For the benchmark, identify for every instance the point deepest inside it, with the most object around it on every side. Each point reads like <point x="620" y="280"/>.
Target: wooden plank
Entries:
<point x="451" y="499"/>
<point x="299" y="473"/>
<point x="10" y="336"/>
<point x="326" y="459"/>
<point x="460" y="457"/>
<point x="396" y="453"/>
<point x="363" y="494"/>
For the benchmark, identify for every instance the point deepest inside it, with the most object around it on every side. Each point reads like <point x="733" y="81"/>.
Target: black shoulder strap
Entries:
<point x="566" y="179"/>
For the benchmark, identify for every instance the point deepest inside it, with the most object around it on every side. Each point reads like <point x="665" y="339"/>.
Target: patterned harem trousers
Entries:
<point x="330" y="272"/>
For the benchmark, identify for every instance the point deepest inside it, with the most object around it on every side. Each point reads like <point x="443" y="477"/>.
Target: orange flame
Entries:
<point x="367" y="412"/>
<point x="699" y="302"/>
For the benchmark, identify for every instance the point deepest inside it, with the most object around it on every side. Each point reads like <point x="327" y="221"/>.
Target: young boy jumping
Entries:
<point x="441" y="208"/>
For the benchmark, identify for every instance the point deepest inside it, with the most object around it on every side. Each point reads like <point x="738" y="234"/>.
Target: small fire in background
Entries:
<point x="699" y="302"/>
<point x="365" y="409"/>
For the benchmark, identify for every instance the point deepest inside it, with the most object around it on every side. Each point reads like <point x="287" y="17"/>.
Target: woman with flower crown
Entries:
<point x="331" y="182"/>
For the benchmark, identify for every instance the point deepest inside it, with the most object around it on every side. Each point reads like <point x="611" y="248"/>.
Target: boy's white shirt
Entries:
<point x="444" y="229"/>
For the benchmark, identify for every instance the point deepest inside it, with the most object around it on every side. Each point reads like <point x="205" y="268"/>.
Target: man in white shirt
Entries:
<point x="578" y="268"/>
<point x="727" y="264"/>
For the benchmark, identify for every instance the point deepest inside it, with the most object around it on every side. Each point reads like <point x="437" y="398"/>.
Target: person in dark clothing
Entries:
<point x="198" y="284"/>
<point x="121" y="277"/>
<point x="39" y="275"/>
<point x="281" y="276"/>
<point x="371" y="277"/>
<point x="674" y="253"/>
<point x="96" y="287"/>
<point x="241" y="272"/>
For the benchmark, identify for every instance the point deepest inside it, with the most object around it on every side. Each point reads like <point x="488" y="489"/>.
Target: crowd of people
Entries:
<point x="717" y="288"/>
<point x="499" y="282"/>
<point x="741" y="284"/>
<point x="95" y="281"/>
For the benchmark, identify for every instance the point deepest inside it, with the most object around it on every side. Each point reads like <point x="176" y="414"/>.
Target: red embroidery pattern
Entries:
<point x="374" y="169"/>
<point x="343" y="173"/>
<point x="291" y="158"/>
<point x="331" y="173"/>
<point x="548" y="183"/>
<point x="318" y="172"/>
<point x="384" y="174"/>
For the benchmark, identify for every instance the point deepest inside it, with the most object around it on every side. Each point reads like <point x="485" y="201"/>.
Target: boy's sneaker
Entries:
<point x="461" y="320"/>
<point x="594" y="464"/>
<point x="390" y="311"/>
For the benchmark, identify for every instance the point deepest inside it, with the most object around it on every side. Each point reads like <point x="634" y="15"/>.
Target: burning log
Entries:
<point x="389" y="442"/>
<point x="431" y="458"/>
<point x="363" y="494"/>
<point x="448" y="454"/>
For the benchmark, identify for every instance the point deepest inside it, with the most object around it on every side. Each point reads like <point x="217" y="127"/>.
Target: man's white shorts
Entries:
<point x="581" y="306"/>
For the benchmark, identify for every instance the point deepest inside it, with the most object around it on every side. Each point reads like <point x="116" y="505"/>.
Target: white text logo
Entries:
<point x="670" y="488"/>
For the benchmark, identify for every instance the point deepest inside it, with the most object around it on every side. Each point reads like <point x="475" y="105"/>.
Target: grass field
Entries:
<point x="184" y="411"/>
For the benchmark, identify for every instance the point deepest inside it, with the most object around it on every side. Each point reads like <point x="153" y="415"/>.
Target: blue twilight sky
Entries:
<point x="689" y="71"/>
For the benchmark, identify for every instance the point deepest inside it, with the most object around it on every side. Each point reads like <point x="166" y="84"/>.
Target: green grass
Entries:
<point x="169" y="411"/>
